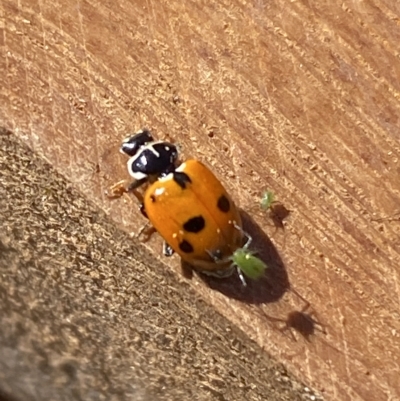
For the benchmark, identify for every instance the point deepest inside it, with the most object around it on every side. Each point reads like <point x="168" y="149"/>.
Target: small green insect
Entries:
<point x="267" y="200"/>
<point x="276" y="211"/>
<point x="246" y="262"/>
<point x="249" y="264"/>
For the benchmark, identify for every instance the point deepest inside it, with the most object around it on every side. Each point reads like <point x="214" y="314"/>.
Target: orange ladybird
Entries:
<point x="190" y="209"/>
<point x="197" y="218"/>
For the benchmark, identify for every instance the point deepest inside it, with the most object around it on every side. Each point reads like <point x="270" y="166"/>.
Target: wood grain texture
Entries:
<point x="85" y="314"/>
<point x="301" y="98"/>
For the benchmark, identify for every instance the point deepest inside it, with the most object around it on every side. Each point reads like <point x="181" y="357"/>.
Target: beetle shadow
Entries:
<point x="270" y="287"/>
<point x="305" y="322"/>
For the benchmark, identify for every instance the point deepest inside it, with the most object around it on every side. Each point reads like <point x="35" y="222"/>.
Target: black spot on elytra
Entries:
<point x="223" y="204"/>
<point x="186" y="247"/>
<point x="181" y="179"/>
<point x="195" y="224"/>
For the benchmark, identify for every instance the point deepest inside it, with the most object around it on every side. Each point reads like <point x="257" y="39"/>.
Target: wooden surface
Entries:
<point x="301" y="98"/>
<point x="83" y="318"/>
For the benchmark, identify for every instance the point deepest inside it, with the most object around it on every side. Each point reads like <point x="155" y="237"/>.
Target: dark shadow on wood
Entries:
<point x="6" y="397"/>
<point x="299" y="321"/>
<point x="304" y="322"/>
<point x="278" y="213"/>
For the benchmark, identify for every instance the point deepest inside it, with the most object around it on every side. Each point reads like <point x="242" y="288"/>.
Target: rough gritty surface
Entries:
<point x="82" y="318"/>
<point x="298" y="97"/>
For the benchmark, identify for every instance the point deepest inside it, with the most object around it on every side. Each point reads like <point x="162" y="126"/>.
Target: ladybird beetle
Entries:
<point x="190" y="209"/>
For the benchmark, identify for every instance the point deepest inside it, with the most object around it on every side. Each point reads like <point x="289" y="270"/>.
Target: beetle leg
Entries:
<point x="120" y="188"/>
<point x="117" y="190"/>
<point x="143" y="210"/>
<point x="136" y="184"/>
<point x="133" y="188"/>
<point x="167" y="250"/>
<point x="147" y="231"/>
